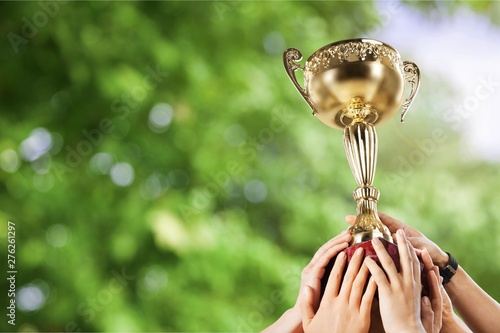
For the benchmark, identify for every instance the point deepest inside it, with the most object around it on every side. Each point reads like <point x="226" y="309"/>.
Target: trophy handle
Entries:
<point x="412" y="75"/>
<point x="290" y="58"/>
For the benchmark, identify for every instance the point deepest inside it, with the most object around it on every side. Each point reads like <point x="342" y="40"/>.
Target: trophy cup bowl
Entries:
<point x="354" y="85"/>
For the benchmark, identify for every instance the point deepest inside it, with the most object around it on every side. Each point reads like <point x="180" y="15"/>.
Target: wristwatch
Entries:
<point x="449" y="270"/>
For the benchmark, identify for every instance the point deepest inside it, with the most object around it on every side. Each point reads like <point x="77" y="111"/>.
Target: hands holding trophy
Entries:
<point x="355" y="85"/>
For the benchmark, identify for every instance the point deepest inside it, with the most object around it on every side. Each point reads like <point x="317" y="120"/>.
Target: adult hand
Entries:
<point x="313" y="273"/>
<point x="432" y="306"/>
<point x="399" y="292"/>
<point x="291" y="321"/>
<point x="416" y="238"/>
<point x="344" y="307"/>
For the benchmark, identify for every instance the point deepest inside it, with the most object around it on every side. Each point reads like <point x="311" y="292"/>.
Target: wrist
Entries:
<point x="441" y="260"/>
<point x="294" y="313"/>
<point x="449" y="270"/>
<point x="293" y="317"/>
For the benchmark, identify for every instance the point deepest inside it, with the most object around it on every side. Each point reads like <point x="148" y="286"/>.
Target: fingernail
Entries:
<point x="425" y="300"/>
<point x="359" y="251"/>
<point x="341" y="255"/>
<point x="376" y="241"/>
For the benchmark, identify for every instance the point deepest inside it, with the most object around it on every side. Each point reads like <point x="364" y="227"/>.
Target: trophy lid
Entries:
<point x="353" y="50"/>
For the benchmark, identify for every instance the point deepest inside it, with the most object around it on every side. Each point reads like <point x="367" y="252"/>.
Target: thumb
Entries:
<point x="350" y="219"/>
<point x="427" y="314"/>
<point x="417" y="243"/>
<point x="392" y="223"/>
<point x="306" y="306"/>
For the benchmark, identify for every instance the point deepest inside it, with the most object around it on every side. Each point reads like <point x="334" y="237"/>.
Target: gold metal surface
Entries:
<point x="362" y="68"/>
<point x="360" y="144"/>
<point x="355" y="85"/>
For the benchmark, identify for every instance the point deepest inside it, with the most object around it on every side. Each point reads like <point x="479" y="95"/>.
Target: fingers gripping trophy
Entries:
<point x="354" y="85"/>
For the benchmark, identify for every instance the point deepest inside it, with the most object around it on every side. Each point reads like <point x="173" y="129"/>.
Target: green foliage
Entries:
<point x="228" y="199"/>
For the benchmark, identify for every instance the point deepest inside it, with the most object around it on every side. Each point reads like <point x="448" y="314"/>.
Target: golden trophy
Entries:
<point x="354" y="85"/>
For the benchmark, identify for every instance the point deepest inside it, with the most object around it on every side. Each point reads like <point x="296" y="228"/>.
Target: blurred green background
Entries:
<point x="164" y="175"/>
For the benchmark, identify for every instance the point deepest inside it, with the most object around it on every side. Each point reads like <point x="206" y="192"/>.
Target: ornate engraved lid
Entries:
<point x="352" y="50"/>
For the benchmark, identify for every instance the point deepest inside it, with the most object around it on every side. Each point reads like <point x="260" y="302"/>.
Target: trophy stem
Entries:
<point x="360" y="143"/>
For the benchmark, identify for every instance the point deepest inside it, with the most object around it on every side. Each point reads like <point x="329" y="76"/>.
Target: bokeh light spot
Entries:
<point x="235" y="135"/>
<point x="60" y="100"/>
<point x="160" y="117"/>
<point x="42" y="164"/>
<point x="170" y="233"/>
<point x="38" y="143"/>
<point x="101" y="163"/>
<point x="58" y="235"/>
<point x="43" y="182"/>
<point x="155" y="279"/>
<point x="122" y="174"/>
<point x="9" y="161"/>
<point x="274" y="43"/>
<point x="57" y="143"/>
<point x="153" y="187"/>
<point x="255" y="191"/>
<point x="30" y="298"/>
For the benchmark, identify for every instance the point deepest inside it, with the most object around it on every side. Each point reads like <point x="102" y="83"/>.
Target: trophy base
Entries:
<point x="369" y="251"/>
<point x="391" y="248"/>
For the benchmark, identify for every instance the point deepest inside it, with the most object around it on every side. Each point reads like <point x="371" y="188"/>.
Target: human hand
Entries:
<point x="432" y="306"/>
<point x="313" y="273"/>
<point x="416" y="238"/>
<point x="399" y="293"/>
<point x="344" y="307"/>
<point x="291" y="320"/>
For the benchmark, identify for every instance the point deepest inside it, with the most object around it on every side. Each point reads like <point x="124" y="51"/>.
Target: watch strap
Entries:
<point x="449" y="270"/>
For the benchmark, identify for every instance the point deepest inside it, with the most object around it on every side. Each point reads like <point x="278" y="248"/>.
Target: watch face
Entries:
<point x="447" y="273"/>
<point x="450" y="269"/>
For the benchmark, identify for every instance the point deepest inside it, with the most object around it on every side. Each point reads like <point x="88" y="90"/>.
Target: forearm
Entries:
<point x="289" y="322"/>
<point x="478" y="310"/>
